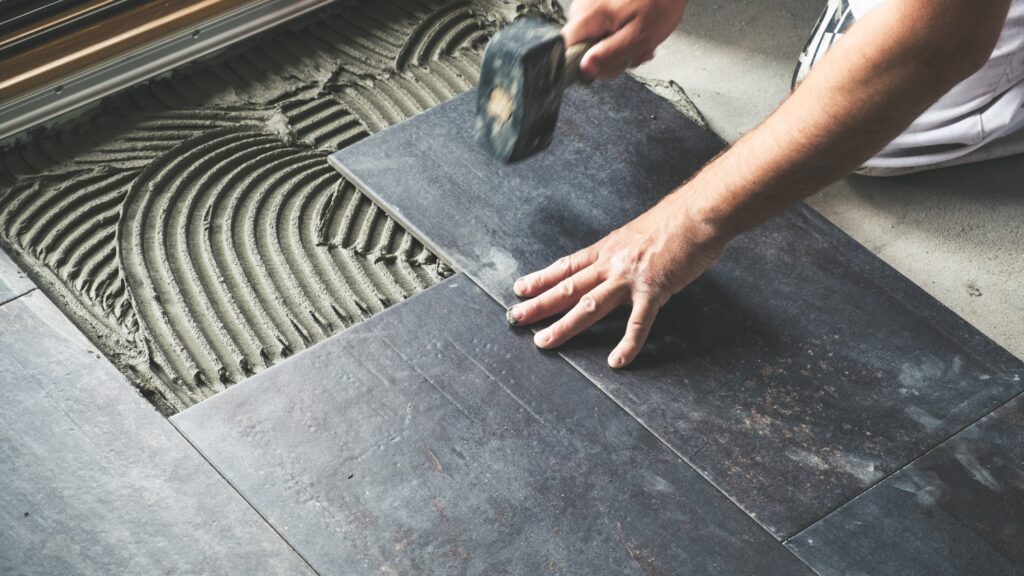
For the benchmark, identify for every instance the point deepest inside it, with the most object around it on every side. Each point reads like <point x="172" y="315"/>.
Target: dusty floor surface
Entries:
<point x="192" y="226"/>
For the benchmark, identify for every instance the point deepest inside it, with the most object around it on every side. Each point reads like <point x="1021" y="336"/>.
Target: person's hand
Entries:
<point x="628" y="32"/>
<point x="643" y="264"/>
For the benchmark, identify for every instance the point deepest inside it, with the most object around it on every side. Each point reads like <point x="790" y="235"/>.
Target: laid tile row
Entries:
<point x="97" y="482"/>
<point x="959" y="509"/>
<point x="795" y="374"/>
<point x="434" y="439"/>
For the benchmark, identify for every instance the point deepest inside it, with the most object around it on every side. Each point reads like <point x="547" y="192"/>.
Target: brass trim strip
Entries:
<point x="56" y="20"/>
<point x="220" y="28"/>
<point x="102" y="40"/>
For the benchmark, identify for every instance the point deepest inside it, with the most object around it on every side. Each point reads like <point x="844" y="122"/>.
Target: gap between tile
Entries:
<point x="246" y="500"/>
<point x="900" y="469"/>
<point x="14" y="298"/>
<point x="441" y="253"/>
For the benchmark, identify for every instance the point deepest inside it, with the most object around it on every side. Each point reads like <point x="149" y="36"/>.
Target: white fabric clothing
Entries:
<point x="862" y="7"/>
<point x="981" y="118"/>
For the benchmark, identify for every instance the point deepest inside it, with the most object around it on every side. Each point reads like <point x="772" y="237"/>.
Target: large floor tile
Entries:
<point x="94" y="481"/>
<point x="957" y="510"/>
<point x="13" y="282"/>
<point x="433" y="439"/>
<point x="618" y="149"/>
<point x="796" y="374"/>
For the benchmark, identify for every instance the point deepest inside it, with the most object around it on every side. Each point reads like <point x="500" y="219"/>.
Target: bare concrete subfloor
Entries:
<point x="955" y="232"/>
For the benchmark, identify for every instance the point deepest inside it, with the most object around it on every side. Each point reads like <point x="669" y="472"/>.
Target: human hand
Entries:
<point x="628" y="32"/>
<point x="643" y="264"/>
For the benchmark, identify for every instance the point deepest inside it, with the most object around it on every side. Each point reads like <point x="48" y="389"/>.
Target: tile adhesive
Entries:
<point x="191" y="226"/>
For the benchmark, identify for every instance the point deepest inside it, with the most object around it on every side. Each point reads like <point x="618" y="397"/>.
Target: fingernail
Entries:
<point x="615" y="361"/>
<point x="513" y="315"/>
<point x="519" y="286"/>
<point x="542" y="338"/>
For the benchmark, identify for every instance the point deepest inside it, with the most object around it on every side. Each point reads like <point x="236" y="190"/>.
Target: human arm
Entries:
<point x="887" y="69"/>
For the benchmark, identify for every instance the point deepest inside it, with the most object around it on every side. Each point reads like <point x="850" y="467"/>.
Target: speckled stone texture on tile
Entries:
<point x="94" y="481"/>
<point x="13" y="282"/>
<point x="957" y="510"/>
<point x="434" y="439"/>
<point x="797" y="373"/>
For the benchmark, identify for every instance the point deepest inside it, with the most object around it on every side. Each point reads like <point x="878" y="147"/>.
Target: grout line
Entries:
<point x="429" y="244"/>
<point x="25" y="293"/>
<point x="243" y="497"/>
<point x="658" y="437"/>
<point x="686" y="461"/>
<point x="904" y="466"/>
<point x="670" y="447"/>
<point x="433" y="247"/>
<point x="615" y="402"/>
<point x="782" y="539"/>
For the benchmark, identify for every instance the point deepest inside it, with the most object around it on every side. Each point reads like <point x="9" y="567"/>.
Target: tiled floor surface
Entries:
<point x="94" y="481"/>
<point x="795" y="375"/>
<point x="782" y="395"/>
<point x="450" y="445"/>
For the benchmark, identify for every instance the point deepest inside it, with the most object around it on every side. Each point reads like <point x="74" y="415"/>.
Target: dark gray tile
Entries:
<point x="434" y="439"/>
<point x="796" y="374"/>
<point x="94" y="481"/>
<point x="957" y="510"/>
<point x="801" y="371"/>
<point x="617" y="150"/>
<point x="13" y="282"/>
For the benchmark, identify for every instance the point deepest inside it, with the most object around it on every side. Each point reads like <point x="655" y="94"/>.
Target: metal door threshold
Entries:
<point x="68" y="93"/>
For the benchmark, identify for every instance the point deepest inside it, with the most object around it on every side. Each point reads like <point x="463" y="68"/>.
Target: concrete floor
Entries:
<point x="958" y="232"/>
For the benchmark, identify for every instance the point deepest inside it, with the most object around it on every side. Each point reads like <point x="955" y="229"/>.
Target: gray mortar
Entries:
<point x="674" y="93"/>
<point x="191" y="225"/>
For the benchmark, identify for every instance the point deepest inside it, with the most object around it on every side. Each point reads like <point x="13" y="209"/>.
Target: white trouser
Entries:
<point x="981" y="118"/>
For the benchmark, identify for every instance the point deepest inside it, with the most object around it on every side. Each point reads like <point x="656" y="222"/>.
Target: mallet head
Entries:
<point x="520" y="92"/>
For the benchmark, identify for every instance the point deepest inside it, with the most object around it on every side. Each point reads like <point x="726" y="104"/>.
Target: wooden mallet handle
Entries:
<point x="573" y="57"/>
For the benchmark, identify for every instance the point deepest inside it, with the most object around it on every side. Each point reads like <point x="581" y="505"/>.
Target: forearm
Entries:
<point x="871" y="85"/>
<point x="874" y="82"/>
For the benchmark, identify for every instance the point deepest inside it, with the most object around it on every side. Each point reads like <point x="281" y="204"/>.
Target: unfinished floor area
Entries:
<point x="192" y="227"/>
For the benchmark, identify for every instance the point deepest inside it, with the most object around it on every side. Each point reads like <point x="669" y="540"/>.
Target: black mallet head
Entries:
<point x="523" y="76"/>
